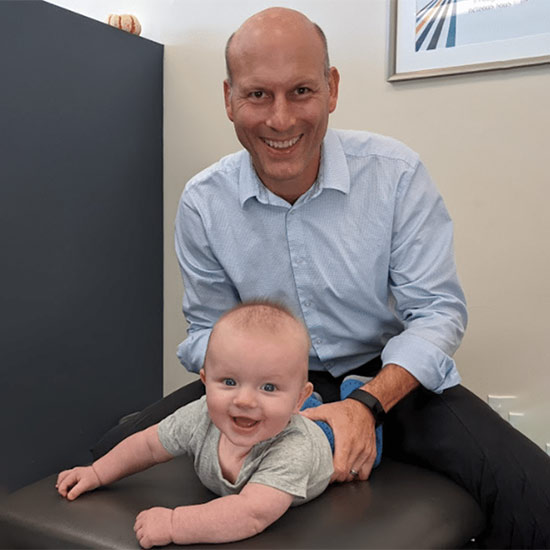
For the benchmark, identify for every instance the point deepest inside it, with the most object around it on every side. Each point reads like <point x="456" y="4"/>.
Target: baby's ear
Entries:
<point x="203" y="376"/>
<point x="307" y="390"/>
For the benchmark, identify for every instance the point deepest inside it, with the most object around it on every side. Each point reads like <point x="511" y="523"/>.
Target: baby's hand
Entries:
<point x="72" y="483"/>
<point x="153" y="527"/>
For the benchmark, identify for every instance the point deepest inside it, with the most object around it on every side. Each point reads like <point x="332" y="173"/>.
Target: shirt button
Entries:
<point x="329" y="364"/>
<point x="318" y="341"/>
<point x="299" y="260"/>
<point x="307" y="303"/>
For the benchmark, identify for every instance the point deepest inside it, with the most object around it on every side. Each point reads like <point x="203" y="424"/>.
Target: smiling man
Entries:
<point x="279" y="94"/>
<point x="349" y="232"/>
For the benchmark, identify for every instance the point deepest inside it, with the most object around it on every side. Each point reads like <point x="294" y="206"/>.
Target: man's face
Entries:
<point x="254" y="382"/>
<point x="279" y="102"/>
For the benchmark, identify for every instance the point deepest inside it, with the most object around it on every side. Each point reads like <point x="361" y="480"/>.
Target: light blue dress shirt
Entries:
<point x="364" y="257"/>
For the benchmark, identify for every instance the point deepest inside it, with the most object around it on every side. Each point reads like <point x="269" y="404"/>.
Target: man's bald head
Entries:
<point x="273" y="20"/>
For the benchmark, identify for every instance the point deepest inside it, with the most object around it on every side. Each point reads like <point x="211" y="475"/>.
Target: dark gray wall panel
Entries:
<point x="80" y="233"/>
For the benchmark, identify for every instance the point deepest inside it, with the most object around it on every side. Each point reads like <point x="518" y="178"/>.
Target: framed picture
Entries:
<point x="441" y="37"/>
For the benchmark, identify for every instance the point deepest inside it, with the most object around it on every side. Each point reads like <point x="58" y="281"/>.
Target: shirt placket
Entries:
<point x="302" y="267"/>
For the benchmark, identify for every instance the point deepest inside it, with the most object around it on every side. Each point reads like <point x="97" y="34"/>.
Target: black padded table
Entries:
<point x="401" y="506"/>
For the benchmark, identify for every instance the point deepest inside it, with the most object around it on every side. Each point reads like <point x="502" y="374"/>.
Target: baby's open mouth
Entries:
<point x="244" y="422"/>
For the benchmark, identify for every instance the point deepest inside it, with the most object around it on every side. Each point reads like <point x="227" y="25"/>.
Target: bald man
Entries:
<point x="348" y="230"/>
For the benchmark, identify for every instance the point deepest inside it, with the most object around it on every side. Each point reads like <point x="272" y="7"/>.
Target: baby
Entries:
<point x="248" y="442"/>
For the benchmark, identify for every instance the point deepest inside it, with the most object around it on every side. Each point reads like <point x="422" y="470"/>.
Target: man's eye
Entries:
<point x="302" y="90"/>
<point x="229" y="382"/>
<point x="257" y="94"/>
<point x="269" y="387"/>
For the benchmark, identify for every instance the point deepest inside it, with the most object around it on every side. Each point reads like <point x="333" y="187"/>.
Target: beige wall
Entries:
<point x="485" y="139"/>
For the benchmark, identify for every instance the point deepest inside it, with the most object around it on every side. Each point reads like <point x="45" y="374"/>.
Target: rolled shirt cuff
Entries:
<point x="431" y="366"/>
<point x="192" y="351"/>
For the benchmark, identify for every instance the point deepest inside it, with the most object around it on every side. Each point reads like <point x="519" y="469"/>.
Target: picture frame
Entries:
<point x="429" y="38"/>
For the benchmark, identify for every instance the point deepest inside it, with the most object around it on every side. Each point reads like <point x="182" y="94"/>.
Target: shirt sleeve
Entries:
<point x="424" y="284"/>
<point x="208" y="292"/>
<point x="177" y="430"/>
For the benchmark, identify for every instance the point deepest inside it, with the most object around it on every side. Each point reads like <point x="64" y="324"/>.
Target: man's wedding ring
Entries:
<point x="353" y="473"/>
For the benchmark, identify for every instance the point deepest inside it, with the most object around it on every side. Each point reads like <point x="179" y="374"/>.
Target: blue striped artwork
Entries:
<point x="436" y="25"/>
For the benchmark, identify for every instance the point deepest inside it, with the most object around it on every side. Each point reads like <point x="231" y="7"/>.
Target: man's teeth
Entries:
<point x="282" y="144"/>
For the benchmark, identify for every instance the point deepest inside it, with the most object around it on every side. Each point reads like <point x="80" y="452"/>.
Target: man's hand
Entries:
<point x="353" y="423"/>
<point x="354" y="437"/>
<point x="72" y="483"/>
<point x="153" y="527"/>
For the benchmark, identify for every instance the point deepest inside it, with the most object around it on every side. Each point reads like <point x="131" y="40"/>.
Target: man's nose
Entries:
<point x="245" y="397"/>
<point x="281" y="116"/>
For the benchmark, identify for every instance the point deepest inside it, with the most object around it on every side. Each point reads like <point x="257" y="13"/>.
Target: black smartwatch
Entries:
<point x="371" y="403"/>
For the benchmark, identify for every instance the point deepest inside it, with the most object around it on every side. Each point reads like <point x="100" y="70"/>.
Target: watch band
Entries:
<point x="371" y="403"/>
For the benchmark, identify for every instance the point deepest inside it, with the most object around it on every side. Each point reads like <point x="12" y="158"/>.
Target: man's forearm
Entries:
<point x="391" y="384"/>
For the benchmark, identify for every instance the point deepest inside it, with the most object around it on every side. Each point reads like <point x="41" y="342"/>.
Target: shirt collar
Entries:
<point x="333" y="174"/>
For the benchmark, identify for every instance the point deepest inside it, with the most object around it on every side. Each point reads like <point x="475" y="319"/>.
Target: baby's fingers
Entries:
<point x="72" y="483"/>
<point x="140" y="531"/>
<point x="65" y="480"/>
<point x="63" y="475"/>
<point x="76" y="490"/>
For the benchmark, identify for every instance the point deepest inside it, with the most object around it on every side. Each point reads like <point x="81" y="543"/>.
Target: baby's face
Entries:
<point x="254" y="382"/>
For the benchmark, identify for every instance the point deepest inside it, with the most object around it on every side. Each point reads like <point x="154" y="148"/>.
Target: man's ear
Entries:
<point x="307" y="390"/>
<point x="203" y="376"/>
<point x="227" y="99"/>
<point x="333" y="83"/>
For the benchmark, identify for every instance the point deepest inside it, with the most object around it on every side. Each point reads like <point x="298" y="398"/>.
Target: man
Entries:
<point x="279" y="94"/>
<point x="347" y="230"/>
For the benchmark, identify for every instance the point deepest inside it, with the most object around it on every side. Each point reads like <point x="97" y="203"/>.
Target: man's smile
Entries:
<point x="280" y="144"/>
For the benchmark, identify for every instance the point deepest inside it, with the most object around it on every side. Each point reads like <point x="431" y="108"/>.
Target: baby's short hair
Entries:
<point x="263" y="313"/>
<point x="268" y="315"/>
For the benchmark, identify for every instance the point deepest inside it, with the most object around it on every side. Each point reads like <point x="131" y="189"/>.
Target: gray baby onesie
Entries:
<point x="297" y="461"/>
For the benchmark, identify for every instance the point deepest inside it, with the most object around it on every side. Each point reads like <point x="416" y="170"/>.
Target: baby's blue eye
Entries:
<point x="229" y="382"/>
<point x="269" y="387"/>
